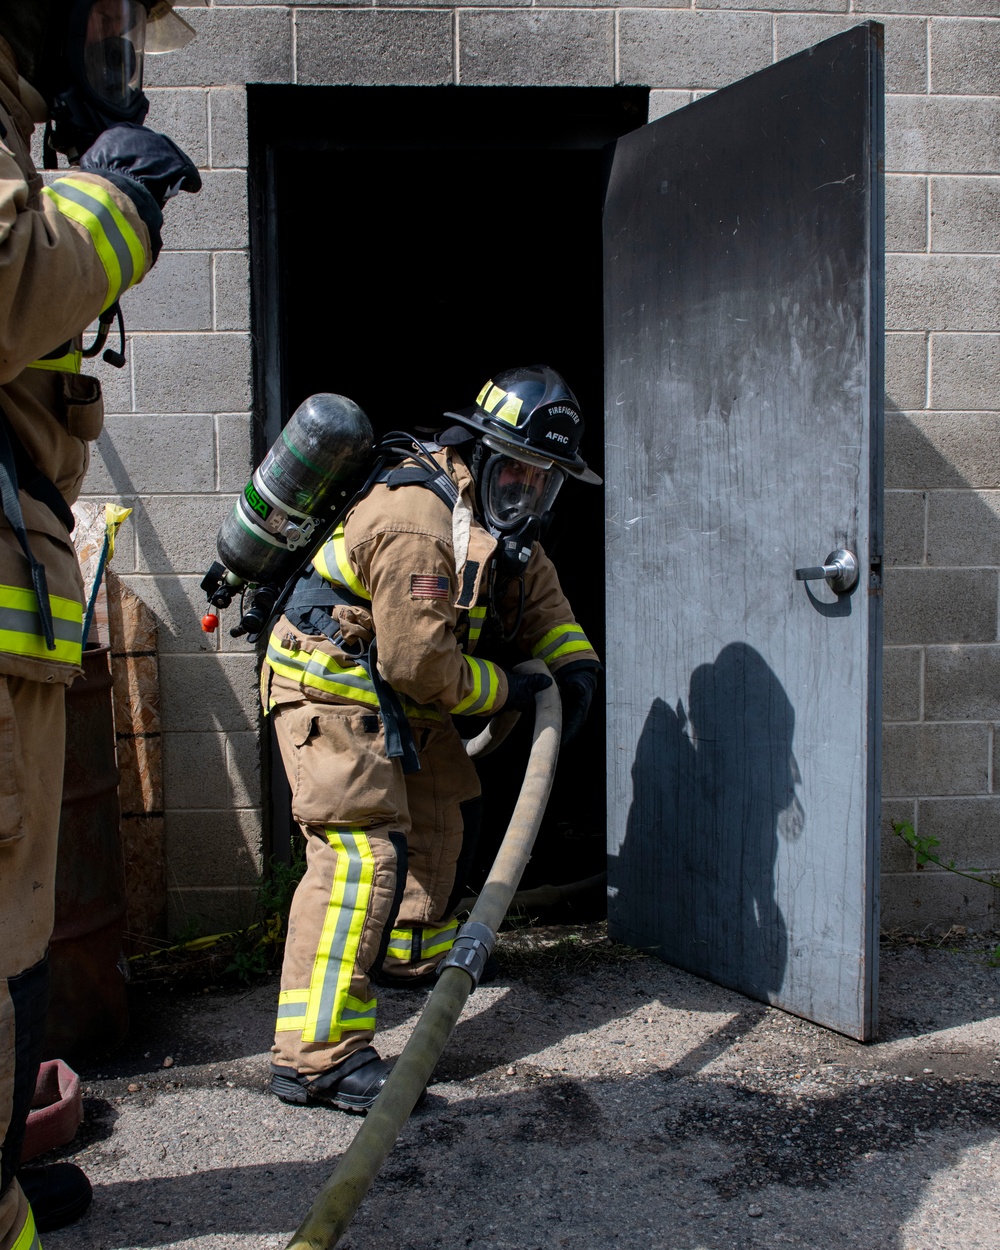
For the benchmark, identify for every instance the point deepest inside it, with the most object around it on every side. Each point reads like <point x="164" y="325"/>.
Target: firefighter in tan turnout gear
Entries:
<point x="381" y="644"/>
<point x="67" y="252"/>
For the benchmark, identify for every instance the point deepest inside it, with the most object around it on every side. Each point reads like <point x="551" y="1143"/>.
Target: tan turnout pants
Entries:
<point x="376" y="841"/>
<point x="32" y="737"/>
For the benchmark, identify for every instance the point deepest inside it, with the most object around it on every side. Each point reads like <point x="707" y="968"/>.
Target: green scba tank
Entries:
<point x="289" y="502"/>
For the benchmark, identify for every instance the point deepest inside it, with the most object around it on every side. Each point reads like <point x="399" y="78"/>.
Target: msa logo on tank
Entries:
<point x="269" y="518"/>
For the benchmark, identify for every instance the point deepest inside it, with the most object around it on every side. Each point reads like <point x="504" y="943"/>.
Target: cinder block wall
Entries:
<point x="177" y="443"/>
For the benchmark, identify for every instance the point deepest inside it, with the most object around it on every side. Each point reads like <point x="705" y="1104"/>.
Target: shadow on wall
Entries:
<point x="717" y="836"/>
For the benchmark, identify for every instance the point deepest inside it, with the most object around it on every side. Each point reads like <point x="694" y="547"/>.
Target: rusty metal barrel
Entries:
<point x="88" y="1011"/>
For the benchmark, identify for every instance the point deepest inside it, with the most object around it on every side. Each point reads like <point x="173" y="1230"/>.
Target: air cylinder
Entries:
<point x="290" y="498"/>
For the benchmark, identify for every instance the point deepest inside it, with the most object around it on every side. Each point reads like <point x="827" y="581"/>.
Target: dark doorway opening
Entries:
<point x="407" y="243"/>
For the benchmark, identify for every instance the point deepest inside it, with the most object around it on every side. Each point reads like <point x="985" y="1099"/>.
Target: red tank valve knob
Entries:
<point x="210" y="622"/>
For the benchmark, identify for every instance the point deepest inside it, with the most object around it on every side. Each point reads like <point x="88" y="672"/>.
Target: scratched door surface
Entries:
<point x="743" y="260"/>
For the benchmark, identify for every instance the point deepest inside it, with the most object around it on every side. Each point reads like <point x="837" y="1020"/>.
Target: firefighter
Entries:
<point x="381" y="645"/>
<point x="67" y="252"/>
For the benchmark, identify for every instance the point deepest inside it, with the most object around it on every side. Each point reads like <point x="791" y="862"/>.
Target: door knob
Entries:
<point x="840" y="571"/>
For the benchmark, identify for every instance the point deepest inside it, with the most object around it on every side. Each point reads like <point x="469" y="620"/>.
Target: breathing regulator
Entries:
<point x="287" y="509"/>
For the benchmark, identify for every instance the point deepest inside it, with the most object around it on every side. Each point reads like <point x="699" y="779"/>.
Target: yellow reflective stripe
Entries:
<point x="291" y="1011"/>
<point x="70" y="363"/>
<point x="485" y="688"/>
<point x="321" y="672"/>
<point x="563" y="640"/>
<point x="21" y="626"/>
<point x="477" y="619"/>
<point x="336" y="954"/>
<point x="500" y="404"/>
<point x="27" y="1238"/>
<point x="117" y="244"/>
<point x="333" y="563"/>
<point x="437" y="941"/>
<point x="357" y="1014"/>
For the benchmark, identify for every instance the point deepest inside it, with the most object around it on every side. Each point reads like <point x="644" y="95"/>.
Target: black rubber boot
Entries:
<point x="59" y="1194"/>
<point x="351" y="1086"/>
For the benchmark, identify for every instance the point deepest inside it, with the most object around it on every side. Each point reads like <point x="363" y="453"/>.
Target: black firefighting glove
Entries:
<point x="147" y="166"/>
<point x="577" y="683"/>
<point x="522" y="688"/>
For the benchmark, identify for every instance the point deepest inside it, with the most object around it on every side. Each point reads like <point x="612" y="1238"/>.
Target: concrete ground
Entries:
<point x="588" y="1097"/>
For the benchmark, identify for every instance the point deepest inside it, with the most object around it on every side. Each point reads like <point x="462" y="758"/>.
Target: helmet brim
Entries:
<point x="574" y="465"/>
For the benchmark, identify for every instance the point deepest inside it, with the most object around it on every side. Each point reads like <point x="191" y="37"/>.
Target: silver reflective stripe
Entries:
<point x="348" y="905"/>
<point x="108" y="224"/>
<point x="570" y="635"/>
<point x="21" y="621"/>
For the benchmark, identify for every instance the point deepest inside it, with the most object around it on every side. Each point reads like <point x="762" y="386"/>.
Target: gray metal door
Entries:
<point x="743" y="259"/>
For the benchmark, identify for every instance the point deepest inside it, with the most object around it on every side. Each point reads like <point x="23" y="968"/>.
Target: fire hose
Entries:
<point x="339" y="1199"/>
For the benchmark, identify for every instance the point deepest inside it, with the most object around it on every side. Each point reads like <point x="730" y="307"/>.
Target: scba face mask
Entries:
<point x="111" y="54"/>
<point x="515" y="491"/>
<point x="100" y="83"/>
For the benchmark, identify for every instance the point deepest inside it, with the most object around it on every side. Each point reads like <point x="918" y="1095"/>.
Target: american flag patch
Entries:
<point x="429" y="586"/>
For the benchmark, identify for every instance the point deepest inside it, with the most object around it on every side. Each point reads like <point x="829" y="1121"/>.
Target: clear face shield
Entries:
<point x="516" y="490"/>
<point x="114" y="40"/>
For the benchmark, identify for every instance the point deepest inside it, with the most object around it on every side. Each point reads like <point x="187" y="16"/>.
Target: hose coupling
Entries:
<point x="472" y="948"/>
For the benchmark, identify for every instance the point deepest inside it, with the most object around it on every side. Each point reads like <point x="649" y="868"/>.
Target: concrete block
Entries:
<point x="942" y="293"/>
<point x="956" y="8"/>
<point x="934" y="759"/>
<point x="183" y="115"/>
<point x="663" y="102"/>
<point x="905" y="213"/>
<point x="233" y="46"/>
<point x="227" y="109"/>
<point x="965" y="371"/>
<point x="906" y="371"/>
<point x="541" y="47"/>
<point x="214" y="219"/>
<point x="924" y="606"/>
<point x="933" y="902"/>
<point x="204" y="912"/>
<point x="243" y="768"/>
<point x="216" y="848"/>
<point x="692" y="50"/>
<point x="209" y="771"/>
<point x="176" y="533"/>
<point x="904" y="527"/>
<point x="965" y="57"/>
<point x="962" y="683"/>
<point x="777" y="6"/>
<point x="895" y="855"/>
<point x="205" y="692"/>
<point x="231" y="274"/>
<point x="192" y="372"/>
<point x="938" y="450"/>
<point x="234" y="441"/>
<point x="968" y="831"/>
<point x="942" y="135"/>
<point x="374" y="47"/>
<point x="901" y="683"/>
<point x="965" y="214"/>
<point x="905" y="43"/>
<point x="175" y="295"/>
<point x="116" y="384"/>
<point x="178" y="603"/>
<point x="963" y="528"/>
<point x="152" y="455"/>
